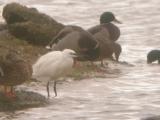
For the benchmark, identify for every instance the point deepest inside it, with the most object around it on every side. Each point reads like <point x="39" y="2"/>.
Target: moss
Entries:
<point x="87" y="70"/>
<point x="28" y="51"/>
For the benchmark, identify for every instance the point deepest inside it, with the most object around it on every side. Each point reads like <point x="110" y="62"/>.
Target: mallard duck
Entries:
<point x="13" y="71"/>
<point x="106" y="34"/>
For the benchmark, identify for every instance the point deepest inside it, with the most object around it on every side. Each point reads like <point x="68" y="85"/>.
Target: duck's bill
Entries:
<point x="117" y="21"/>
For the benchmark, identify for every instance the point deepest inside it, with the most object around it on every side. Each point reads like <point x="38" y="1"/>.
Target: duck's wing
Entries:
<point x="70" y="41"/>
<point x="66" y="30"/>
<point x="93" y="30"/>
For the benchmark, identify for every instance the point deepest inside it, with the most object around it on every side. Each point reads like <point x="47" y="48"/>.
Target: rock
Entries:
<point x="152" y="118"/>
<point x="29" y="24"/>
<point x="3" y="26"/>
<point x="23" y="100"/>
<point x="33" y="33"/>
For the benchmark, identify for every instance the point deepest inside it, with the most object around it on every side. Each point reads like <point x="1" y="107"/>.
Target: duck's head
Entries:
<point x="108" y="17"/>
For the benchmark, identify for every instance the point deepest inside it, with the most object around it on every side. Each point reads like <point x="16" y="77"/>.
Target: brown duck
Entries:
<point x="13" y="71"/>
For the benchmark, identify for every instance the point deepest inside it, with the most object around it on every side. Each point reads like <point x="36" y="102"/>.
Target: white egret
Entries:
<point x="53" y="65"/>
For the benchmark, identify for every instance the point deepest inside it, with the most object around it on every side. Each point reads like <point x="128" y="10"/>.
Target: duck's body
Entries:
<point x="77" y="39"/>
<point x="14" y="70"/>
<point x="109" y="30"/>
<point x="106" y="48"/>
<point x="53" y="65"/>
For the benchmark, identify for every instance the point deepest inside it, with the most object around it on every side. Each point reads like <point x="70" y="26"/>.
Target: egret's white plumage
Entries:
<point x="53" y="65"/>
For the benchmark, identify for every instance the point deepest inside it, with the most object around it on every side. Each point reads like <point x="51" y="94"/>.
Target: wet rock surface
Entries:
<point x="23" y="99"/>
<point x="152" y="118"/>
<point x="29" y="24"/>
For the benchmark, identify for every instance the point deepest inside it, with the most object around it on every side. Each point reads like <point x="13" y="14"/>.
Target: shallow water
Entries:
<point x="130" y="93"/>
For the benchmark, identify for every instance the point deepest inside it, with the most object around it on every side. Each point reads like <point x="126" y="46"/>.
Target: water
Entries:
<point x="129" y="94"/>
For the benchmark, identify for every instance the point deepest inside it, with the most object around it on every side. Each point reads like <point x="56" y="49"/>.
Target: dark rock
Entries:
<point x="29" y="24"/>
<point x="24" y="99"/>
<point x="3" y="27"/>
<point x="152" y="118"/>
<point x="33" y="33"/>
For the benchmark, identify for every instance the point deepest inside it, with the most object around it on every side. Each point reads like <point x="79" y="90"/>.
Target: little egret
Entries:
<point x="53" y="65"/>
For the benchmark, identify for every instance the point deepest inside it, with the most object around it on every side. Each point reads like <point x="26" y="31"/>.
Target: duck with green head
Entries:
<point x="106" y="33"/>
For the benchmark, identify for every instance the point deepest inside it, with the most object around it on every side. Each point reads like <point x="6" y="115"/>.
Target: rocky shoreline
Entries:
<point x="23" y="100"/>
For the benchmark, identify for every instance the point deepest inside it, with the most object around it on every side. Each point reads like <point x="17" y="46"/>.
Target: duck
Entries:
<point x="77" y="39"/>
<point x="153" y="55"/>
<point x="106" y="35"/>
<point x="52" y="65"/>
<point x="14" y="70"/>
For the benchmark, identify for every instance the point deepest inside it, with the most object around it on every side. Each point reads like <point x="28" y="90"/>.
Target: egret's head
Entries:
<point x="108" y="17"/>
<point x="70" y="53"/>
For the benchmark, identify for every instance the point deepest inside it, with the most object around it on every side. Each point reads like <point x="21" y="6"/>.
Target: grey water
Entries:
<point x="131" y="93"/>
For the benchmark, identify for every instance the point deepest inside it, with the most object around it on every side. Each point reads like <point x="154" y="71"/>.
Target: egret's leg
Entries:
<point x="48" y="89"/>
<point x="55" y="90"/>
